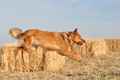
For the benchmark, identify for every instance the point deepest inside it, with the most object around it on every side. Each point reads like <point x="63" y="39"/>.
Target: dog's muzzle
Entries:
<point x="79" y="43"/>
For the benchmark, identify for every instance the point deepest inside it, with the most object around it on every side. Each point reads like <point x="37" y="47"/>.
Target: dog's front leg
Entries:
<point x="70" y="55"/>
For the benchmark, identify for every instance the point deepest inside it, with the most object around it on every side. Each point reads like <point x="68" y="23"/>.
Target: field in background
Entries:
<point x="100" y="61"/>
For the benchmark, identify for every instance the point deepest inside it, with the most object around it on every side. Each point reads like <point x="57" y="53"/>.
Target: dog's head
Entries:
<point x="75" y="37"/>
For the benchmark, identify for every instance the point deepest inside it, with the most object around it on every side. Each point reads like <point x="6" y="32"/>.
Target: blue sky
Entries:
<point x="95" y="19"/>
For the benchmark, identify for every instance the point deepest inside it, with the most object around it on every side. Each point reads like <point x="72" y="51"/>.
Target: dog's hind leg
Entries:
<point x="27" y="42"/>
<point x="18" y="52"/>
<point x="25" y="46"/>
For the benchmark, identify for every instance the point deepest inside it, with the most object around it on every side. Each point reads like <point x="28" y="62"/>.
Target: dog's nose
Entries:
<point x="80" y="43"/>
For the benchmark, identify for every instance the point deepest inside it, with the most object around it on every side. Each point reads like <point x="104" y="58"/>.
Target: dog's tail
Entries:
<point x="16" y="33"/>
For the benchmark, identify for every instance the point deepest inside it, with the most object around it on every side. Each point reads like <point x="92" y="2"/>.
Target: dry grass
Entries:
<point x="103" y="67"/>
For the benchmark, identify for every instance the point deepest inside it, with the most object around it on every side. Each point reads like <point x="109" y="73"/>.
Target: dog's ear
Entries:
<point x="76" y="31"/>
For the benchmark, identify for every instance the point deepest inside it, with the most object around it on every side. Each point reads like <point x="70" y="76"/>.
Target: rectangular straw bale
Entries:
<point x="113" y="44"/>
<point x="99" y="46"/>
<point x="83" y="50"/>
<point x="7" y="58"/>
<point x="92" y="47"/>
<point x="35" y="61"/>
<point x="53" y="61"/>
<point x="32" y="61"/>
<point x="18" y="63"/>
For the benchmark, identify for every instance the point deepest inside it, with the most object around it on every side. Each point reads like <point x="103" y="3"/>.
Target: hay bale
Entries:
<point x="35" y="61"/>
<point x="99" y="46"/>
<point x="7" y="58"/>
<point x="92" y="47"/>
<point x="53" y="61"/>
<point x="113" y="44"/>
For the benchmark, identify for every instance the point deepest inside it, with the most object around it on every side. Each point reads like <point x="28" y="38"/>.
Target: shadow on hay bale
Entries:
<point x="36" y="61"/>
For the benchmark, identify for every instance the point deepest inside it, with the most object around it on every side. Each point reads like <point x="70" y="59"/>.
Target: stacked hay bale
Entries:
<point x="113" y="44"/>
<point x="92" y="47"/>
<point x="35" y="61"/>
<point x="7" y="58"/>
<point x="52" y="62"/>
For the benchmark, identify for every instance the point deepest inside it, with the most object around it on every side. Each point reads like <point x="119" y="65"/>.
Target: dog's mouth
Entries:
<point x="79" y="43"/>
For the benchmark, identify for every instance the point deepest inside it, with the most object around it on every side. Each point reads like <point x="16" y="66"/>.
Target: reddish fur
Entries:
<point x="54" y="41"/>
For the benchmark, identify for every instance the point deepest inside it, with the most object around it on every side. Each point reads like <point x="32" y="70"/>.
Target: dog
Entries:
<point x="53" y="41"/>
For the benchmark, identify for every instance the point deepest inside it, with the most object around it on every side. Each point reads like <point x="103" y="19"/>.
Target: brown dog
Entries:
<point x="54" y="41"/>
